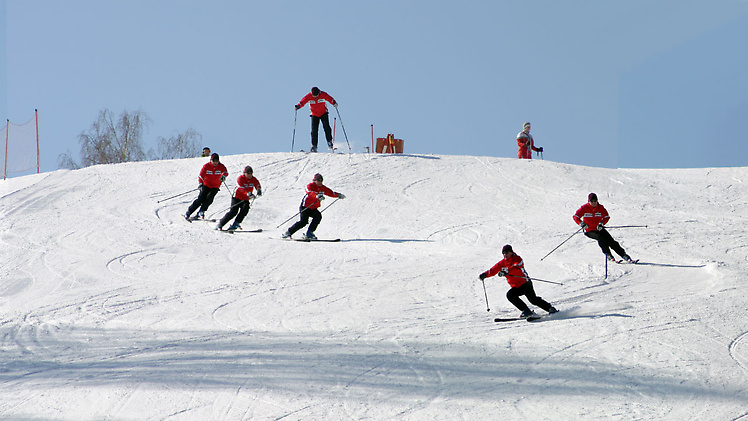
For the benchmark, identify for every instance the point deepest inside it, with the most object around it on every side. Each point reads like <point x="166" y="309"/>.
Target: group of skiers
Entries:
<point x="591" y="217"/>
<point x="214" y="173"/>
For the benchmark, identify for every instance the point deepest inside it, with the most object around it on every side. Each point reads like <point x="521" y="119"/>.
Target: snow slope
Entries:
<point x="114" y="308"/>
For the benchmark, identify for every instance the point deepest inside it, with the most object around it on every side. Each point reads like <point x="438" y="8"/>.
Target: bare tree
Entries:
<point x="183" y="145"/>
<point x="109" y="141"/>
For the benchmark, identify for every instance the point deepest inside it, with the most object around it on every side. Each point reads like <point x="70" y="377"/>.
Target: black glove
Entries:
<point x="320" y="196"/>
<point x="583" y="225"/>
<point x="250" y="196"/>
<point x="296" y="107"/>
<point x="223" y="178"/>
<point x="540" y="149"/>
<point x="502" y="272"/>
<point x="259" y="192"/>
<point x="600" y="226"/>
<point x="482" y="276"/>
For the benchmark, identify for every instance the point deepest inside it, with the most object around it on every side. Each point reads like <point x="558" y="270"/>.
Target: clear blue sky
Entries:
<point x="639" y="84"/>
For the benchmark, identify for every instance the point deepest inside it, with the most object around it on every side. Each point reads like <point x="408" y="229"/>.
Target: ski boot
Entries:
<point x="552" y="310"/>
<point x="286" y="235"/>
<point x="314" y="149"/>
<point x="609" y="257"/>
<point x="628" y="258"/>
<point x="201" y="215"/>
<point x="309" y="236"/>
<point x="234" y="227"/>
<point x="527" y="313"/>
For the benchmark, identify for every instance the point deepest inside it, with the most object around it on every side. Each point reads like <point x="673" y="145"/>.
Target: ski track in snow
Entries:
<point x="126" y="311"/>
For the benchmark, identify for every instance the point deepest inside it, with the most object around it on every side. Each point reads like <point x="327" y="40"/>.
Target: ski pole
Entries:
<point x="549" y="253"/>
<point x="343" y="127"/>
<point x="486" y="294"/>
<point x="542" y="280"/>
<point x="295" y="113"/>
<point x="180" y="194"/>
<point x="628" y="226"/>
<point x="333" y="202"/>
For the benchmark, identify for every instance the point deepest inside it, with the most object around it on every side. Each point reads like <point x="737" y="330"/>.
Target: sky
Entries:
<point x="640" y="84"/>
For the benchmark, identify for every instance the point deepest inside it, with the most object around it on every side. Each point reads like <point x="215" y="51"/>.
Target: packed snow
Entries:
<point x="114" y="307"/>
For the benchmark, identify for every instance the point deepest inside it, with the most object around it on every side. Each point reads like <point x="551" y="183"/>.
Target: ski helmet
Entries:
<point x="507" y="249"/>
<point x="315" y="91"/>
<point x="318" y="177"/>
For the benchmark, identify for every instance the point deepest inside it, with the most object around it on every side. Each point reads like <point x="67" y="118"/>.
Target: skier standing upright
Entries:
<point x="212" y="174"/>
<point x="246" y="183"/>
<point x="526" y="143"/>
<point x="513" y="268"/>
<point x="592" y="217"/>
<point x="317" y="100"/>
<point x="309" y="208"/>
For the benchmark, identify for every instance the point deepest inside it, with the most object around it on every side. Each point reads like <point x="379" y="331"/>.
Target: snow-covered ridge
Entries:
<point x="114" y="307"/>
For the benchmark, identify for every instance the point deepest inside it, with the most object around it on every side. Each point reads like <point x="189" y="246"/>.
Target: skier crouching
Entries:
<point x="309" y="208"/>
<point x="513" y="268"/>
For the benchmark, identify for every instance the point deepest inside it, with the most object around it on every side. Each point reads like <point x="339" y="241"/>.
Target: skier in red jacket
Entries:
<point x="315" y="193"/>
<point x="513" y="268"/>
<point x="317" y="100"/>
<point x="526" y="143"/>
<point x="592" y="217"/>
<point x="245" y="186"/>
<point x="211" y="176"/>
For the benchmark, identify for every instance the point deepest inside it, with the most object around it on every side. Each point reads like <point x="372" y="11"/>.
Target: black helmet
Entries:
<point x="318" y="177"/>
<point x="315" y="91"/>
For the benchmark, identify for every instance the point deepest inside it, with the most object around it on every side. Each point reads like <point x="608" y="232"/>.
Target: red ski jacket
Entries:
<point x="310" y="200"/>
<point x="591" y="216"/>
<point x="516" y="276"/>
<point x="210" y="175"/>
<point x="245" y="186"/>
<point x="526" y="145"/>
<point x="317" y="105"/>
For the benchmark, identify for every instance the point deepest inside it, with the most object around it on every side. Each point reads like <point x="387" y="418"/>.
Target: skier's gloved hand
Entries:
<point x="335" y="104"/>
<point x="250" y="196"/>
<point x="320" y="196"/>
<point x="482" y="276"/>
<point x="296" y="107"/>
<point x="540" y="149"/>
<point x="583" y="225"/>
<point x="600" y="226"/>
<point x="341" y="196"/>
<point x="223" y="178"/>
<point x="502" y="272"/>
<point x="259" y="192"/>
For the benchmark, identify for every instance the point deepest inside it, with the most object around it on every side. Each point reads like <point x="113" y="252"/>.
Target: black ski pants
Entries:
<point x="526" y="289"/>
<point x="606" y="241"/>
<point x="204" y="199"/>
<point x="307" y="213"/>
<point x="325" y="119"/>
<point x="238" y="206"/>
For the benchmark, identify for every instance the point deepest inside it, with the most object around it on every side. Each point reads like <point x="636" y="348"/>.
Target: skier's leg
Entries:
<point x="301" y="223"/>
<point x="199" y="201"/>
<point x="208" y="199"/>
<point x="529" y="291"/>
<point x="513" y="296"/>
<point x="315" y="131"/>
<point x="316" y="218"/>
<point x="328" y="130"/>
<point x="243" y="210"/>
